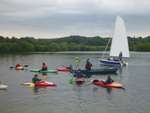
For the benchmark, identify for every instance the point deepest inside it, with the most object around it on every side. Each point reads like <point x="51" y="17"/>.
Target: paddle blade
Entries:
<point x="72" y="81"/>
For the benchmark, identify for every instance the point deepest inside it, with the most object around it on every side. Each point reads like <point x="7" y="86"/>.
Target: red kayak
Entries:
<point x="45" y="84"/>
<point x="110" y="85"/>
<point x="64" y="69"/>
<point x="80" y="80"/>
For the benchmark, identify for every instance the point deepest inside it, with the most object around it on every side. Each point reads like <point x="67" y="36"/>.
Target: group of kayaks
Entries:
<point x="45" y="83"/>
<point x="73" y="80"/>
<point x="61" y="69"/>
<point x="96" y="82"/>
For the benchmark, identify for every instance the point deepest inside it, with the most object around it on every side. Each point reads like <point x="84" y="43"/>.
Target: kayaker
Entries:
<point x="78" y="74"/>
<point x="88" y="65"/>
<point x="35" y="79"/>
<point x="18" y="65"/>
<point x="70" y="67"/>
<point x="44" y="67"/>
<point x="109" y="80"/>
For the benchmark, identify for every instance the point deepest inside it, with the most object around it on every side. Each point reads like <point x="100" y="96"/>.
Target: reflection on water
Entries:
<point x="38" y="90"/>
<point x="109" y="90"/>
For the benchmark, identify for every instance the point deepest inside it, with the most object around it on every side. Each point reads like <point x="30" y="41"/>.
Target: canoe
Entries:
<point x="3" y="87"/>
<point x="45" y="84"/>
<point x="45" y="71"/>
<point x="100" y="71"/>
<point x="108" y="85"/>
<point x="39" y="84"/>
<point x="63" y="69"/>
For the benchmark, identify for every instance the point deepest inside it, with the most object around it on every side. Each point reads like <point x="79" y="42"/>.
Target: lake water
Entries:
<point x="68" y="98"/>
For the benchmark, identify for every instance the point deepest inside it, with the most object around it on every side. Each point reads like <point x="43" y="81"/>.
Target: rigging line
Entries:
<point x="105" y="48"/>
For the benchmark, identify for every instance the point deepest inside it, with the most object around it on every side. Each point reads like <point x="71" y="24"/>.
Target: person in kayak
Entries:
<point x="88" y="65"/>
<point x="78" y="74"/>
<point x="44" y="67"/>
<point x="70" y="68"/>
<point x="109" y="80"/>
<point x="35" y="79"/>
<point x="18" y="65"/>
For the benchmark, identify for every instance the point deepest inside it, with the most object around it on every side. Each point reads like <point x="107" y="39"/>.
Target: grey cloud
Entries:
<point x="58" y="17"/>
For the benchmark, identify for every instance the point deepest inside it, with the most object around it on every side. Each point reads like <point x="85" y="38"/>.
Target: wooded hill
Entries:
<point x="70" y="43"/>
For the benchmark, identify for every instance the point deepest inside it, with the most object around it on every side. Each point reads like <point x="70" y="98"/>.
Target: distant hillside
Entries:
<point x="70" y="43"/>
<point x="96" y="41"/>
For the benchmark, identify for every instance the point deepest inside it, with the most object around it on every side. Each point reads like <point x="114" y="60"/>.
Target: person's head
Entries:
<point x="79" y="69"/>
<point x="17" y="65"/>
<point x="88" y="59"/>
<point x="36" y="75"/>
<point x="43" y="63"/>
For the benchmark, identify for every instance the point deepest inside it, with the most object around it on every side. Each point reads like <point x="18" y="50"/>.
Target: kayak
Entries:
<point x="3" y="87"/>
<point x="110" y="85"/>
<point x="80" y="80"/>
<point x="19" y="68"/>
<point x="45" y="71"/>
<point x="64" y="69"/>
<point x="44" y="84"/>
<point x="39" y="84"/>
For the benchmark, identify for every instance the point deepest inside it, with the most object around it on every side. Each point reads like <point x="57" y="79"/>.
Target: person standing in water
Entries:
<point x="120" y="56"/>
<point x="88" y="65"/>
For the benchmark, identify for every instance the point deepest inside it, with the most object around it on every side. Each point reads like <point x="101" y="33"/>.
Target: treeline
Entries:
<point x="70" y="43"/>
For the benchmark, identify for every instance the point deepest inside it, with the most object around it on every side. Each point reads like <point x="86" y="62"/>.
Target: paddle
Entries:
<point x="72" y="81"/>
<point x="77" y="62"/>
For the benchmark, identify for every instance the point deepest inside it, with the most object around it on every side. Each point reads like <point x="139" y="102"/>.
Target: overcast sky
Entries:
<point x="57" y="18"/>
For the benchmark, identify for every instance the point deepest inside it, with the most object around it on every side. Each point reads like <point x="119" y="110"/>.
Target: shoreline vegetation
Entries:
<point x="70" y="43"/>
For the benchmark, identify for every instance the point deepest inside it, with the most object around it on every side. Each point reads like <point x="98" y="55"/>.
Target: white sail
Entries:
<point x="119" y="40"/>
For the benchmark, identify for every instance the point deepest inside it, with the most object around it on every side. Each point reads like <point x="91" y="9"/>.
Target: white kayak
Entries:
<point x="2" y="86"/>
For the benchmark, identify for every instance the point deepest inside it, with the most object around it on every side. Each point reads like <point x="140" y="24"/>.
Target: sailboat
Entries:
<point x="119" y="46"/>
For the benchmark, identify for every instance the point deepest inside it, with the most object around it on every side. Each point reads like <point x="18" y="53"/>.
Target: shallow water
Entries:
<point x="68" y="98"/>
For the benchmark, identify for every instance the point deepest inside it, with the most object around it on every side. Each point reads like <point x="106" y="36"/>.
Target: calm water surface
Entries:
<point x="67" y="98"/>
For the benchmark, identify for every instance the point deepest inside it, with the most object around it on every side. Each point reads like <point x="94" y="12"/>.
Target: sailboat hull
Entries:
<point x="114" y="63"/>
<point x="110" y="62"/>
